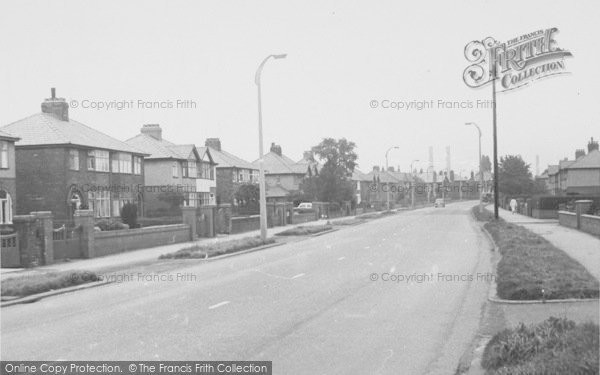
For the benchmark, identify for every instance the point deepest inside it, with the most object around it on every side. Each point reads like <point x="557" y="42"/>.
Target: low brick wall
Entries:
<point x="300" y="218"/>
<point x="245" y="224"/>
<point x="567" y="219"/>
<point x="118" y="241"/>
<point x="590" y="224"/>
<point x="544" y="214"/>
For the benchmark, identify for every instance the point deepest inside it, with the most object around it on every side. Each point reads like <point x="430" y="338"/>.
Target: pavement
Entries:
<point x="132" y="258"/>
<point x="581" y="246"/>
<point x="364" y="299"/>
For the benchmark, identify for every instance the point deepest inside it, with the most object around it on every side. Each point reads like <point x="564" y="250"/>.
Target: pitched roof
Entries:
<point x="276" y="164"/>
<point x="225" y="159"/>
<point x="357" y="175"/>
<point x="205" y="151"/>
<point x="45" y="129"/>
<point x="9" y="137"/>
<point x="160" y="149"/>
<point x="563" y="164"/>
<point x="591" y="160"/>
<point x="552" y="170"/>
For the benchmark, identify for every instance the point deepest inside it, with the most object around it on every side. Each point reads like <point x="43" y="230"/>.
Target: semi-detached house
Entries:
<point x="63" y="165"/>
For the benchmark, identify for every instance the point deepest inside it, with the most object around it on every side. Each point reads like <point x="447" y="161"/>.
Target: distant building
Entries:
<point x="283" y="176"/>
<point x="232" y="171"/>
<point x="576" y="177"/>
<point x="8" y="183"/>
<point x="63" y="165"/>
<point x="184" y="170"/>
<point x="362" y="184"/>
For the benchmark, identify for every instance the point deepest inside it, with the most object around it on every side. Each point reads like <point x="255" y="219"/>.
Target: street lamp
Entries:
<point x="412" y="190"/>
<point x="480" y="171"/>
<point x="386" y="171"/>
<point x="261" y="166"/>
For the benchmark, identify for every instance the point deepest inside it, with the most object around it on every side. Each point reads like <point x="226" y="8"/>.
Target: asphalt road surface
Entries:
<point x="311" y="307"/>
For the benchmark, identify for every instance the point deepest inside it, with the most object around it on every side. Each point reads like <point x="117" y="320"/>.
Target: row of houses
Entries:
<point x="578" y="176"/>
<point x="51" y="162"/>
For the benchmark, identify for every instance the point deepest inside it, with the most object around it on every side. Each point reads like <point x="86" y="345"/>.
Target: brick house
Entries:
<point x="62" y="165"/>
<point x="283" y="176"/>
<point x="362" y="187"/>
<point x="8" y="184"/>
<point x="232" y="171"/>
<point x="583" y="175"/>
<point x="576" y="177"/>
<point x="170" y="169"/>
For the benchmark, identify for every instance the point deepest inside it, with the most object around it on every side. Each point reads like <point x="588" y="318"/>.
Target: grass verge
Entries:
<point x="21" y="286"/>
<point x="304" y="231"/>
<point x="555" y="346"/>
<point x="531" y="268"/>
<point x="219" y="248"/>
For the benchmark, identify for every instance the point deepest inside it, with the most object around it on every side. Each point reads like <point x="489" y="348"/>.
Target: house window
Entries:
<point x="206" y="171"/>
<point x="121" y="163"/>
<point x="189" y="169"/>
<point x="174" y="170"/>
<point x="74" y="160"/>
<point x="3" y="154"/>
<point x="137" y="165"/>
<point x="204" y="199"/>
<point x="192" y="199"/>
<point x="99" y="203"/>
<point x="5" y="208"/>
<point x="98" y="161"/>
<point x="253" y="176"/>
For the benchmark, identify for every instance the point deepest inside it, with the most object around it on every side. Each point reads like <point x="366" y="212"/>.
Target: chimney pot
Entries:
<point x="152" y="130"/>
<point x="56" y="107"/>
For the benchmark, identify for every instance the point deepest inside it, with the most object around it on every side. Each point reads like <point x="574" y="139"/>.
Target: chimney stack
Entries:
<point x="592" y="145"/>
<point x="153" y="130"/>
<point x="276" y="148"/>
<point x="579" y="153"/>
<point x="214" y="143"/>
<point x="57" y="107"/>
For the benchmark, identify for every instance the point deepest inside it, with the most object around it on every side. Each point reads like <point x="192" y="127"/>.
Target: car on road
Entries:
<point x="304" y="207"/>
<point x="439" y="203"/>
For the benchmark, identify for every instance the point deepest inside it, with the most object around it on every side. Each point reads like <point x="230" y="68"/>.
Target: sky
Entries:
<point x="341" y="55"/>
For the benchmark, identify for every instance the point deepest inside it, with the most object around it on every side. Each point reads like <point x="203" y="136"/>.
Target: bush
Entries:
<point x="210" y="250"/>
<point x="555" y="346"/>
<point x="129" y="215"/>
<point x="111" y="224"/>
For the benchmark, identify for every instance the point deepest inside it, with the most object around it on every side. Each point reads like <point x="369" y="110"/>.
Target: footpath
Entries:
<point x="581" y="246"/>
<point x="138" y="257"/>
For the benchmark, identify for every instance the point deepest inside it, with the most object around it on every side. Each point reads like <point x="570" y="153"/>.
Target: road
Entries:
<point x="311" y="306"/>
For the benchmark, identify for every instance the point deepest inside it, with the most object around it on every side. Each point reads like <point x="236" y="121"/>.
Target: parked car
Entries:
<point x="439" y="203"/>
<point x="304" y="207"/>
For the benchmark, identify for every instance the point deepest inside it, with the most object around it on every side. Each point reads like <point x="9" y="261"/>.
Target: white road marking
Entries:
<point x="298" y="275"/>
<point x="218" y="305"/>
<point x="341" y="258"/>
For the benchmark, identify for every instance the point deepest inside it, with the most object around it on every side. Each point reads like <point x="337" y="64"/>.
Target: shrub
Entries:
<point x="555" y="346"/>
<point x="129" y="215"/>
<point x="111" y="224"/>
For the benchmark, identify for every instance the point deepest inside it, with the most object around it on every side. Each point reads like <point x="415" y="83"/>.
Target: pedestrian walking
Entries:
<point x="513" y="205"/>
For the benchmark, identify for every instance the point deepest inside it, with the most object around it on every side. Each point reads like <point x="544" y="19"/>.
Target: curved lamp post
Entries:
<point x="263" y="192"/>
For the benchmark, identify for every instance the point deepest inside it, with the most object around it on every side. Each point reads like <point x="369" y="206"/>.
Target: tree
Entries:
<point x="248" y="195"/>
<point x="129" y="215"/>
<point x="514" y="176"/>
<point x="486" y="164"/>
<point x="332" y="184"/>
